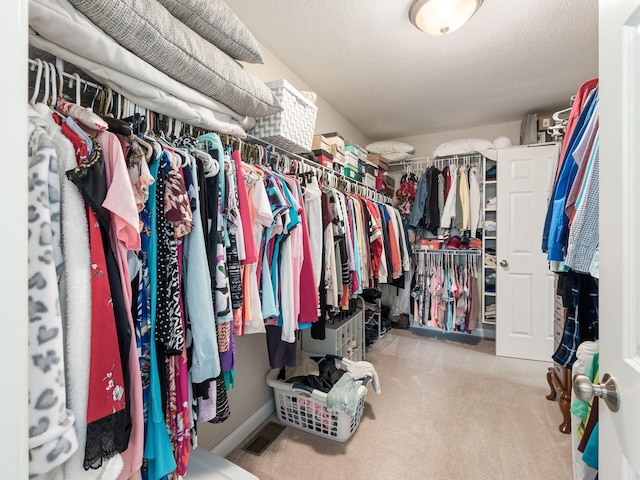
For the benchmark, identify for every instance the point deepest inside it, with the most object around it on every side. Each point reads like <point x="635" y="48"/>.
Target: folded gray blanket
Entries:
<point x="149" y="30"/>
<point x="214" y="21"/>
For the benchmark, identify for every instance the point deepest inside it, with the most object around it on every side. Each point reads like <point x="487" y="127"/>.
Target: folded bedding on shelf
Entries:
<point x="148" y="96"/>
<point x="149" y="30"/>
<point x="65" y="32"/>
<point x="57" y="28"/>
<point x="214" y="21"/>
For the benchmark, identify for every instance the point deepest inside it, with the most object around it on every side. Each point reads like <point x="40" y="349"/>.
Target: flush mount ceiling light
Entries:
<point x="440" y="17"/>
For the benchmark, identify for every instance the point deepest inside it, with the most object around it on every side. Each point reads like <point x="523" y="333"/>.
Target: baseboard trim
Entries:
<point x="240" y="434"/>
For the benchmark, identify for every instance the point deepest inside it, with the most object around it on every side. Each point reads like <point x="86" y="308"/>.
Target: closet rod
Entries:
<point x="371" y="192"/>
<point x="264" y="143"/>
<point x="69" y="76"/>
<point x="433" y="160"/>
<point x="425" y="251"/>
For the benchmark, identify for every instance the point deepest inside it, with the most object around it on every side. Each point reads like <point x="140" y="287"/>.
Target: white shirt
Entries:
<point x="449" y="212"/>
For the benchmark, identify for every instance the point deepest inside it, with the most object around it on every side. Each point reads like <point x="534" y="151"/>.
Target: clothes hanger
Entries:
<point x="58" y="84"/>
<point x="45" y="98"/>
<point x="169" y="127"/>
<point x="78" y="87"/>
<point x="36" y="86"/>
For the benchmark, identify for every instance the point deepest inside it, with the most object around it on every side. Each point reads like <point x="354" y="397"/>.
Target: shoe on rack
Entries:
<point x="372" y="307"/>
<point x="371" y="295"/>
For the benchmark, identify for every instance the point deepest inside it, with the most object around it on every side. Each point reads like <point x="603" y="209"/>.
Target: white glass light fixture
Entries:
<point x="441" y="17"/>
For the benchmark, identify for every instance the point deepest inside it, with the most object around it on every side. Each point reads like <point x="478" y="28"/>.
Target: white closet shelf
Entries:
<point x="490" y="294"/>
<point x="489" y="321"/>
<point x="490" y="182"/>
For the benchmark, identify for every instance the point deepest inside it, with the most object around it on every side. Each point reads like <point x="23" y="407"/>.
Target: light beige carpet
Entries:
<point x="448" y="411"/>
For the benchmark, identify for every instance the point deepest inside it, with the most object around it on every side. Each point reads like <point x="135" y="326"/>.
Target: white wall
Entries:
<point x="426" y="144"/>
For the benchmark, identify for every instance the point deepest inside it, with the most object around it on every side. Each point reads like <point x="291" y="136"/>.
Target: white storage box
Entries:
<point x="292" y="128"/>
<point x="306" y="408"/>
<point x="369" y="180"/>
<point x="351" y="159"/>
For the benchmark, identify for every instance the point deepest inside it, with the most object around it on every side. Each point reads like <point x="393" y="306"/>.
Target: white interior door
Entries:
<point x="524" y="284"/>
<point x="619" y="441"/>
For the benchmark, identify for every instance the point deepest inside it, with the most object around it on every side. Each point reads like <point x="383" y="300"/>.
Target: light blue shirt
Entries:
<point x="198" y="303"/>
<point x="157" y="448"/>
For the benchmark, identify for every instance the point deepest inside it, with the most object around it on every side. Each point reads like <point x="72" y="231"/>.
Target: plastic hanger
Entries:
<point x="45" y="98"/>
<point x="54" y="84"/>
<point x="74" y="81"/>
<point x="60" y="85"/>
<point x="169" y="127"/>
<point x="36" y="87"/>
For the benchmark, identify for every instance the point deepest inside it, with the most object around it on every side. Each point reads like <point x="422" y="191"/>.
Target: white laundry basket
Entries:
<point x="306" y="408"/>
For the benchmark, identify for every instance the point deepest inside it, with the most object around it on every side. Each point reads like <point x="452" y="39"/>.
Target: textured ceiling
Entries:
<point x="390" y="80"/>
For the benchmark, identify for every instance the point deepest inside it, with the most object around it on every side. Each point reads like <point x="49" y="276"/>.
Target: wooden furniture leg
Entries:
<point x="564" y="387"/>
<point x="552" y="395"/>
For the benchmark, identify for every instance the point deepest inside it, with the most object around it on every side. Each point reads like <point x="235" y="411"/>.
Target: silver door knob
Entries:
<point x="504" y="263"/>
<point x="607" y="390"/>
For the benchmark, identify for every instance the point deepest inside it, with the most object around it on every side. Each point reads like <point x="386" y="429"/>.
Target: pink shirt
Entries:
<point x="251" y="254"/>
<point x="124" y="235"/>
<point x="308" y="294"/>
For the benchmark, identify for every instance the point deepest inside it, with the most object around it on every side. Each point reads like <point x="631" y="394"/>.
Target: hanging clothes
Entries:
<point x="446" y="292"/>
<point x="51" y="423"/>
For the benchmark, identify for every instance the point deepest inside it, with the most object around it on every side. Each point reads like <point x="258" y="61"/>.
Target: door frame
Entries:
<point x="14" y="446"/>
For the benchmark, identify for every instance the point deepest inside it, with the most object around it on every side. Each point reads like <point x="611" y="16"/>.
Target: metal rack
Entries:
<point x="359" y="187"/>
<point x="422" y="163"/>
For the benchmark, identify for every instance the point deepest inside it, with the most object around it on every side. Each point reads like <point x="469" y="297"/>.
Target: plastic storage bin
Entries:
<point x="292" y="128"/>
<point x="305" y="408"/>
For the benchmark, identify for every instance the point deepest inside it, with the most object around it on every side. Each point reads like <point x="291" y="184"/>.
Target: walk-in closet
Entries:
<point x="259" y="240"/>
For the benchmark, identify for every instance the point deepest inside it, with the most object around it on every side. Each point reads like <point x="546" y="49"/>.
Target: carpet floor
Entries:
<point x="449" y="410"/>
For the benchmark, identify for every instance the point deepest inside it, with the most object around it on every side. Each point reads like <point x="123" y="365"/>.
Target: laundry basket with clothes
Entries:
<point x="328" y="400"/>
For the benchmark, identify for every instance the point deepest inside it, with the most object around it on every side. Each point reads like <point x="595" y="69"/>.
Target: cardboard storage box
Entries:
<point x="381" y="184"/>
<point x="352" y="149"/>
<point x="351" y="159"/>
<point x="320" y="143"/>
<point x="352" y="173"/>
<point x="390" y="181"/>
<point x="338" y="152"/>
<point x="324" y="158"/>
<point x="378" y="160"/>
<point x="370" y="180"/>
<point x="362" y="154"/>
<point x="371" y="169"/>
<point x="544" y="123"/>
<point x="334" y="138"/>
